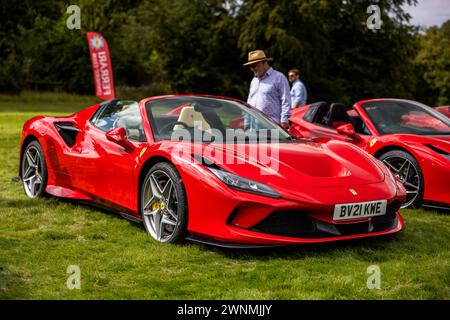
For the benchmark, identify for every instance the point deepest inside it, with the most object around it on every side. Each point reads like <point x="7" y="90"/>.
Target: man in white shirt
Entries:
<point x="269" y="89"/>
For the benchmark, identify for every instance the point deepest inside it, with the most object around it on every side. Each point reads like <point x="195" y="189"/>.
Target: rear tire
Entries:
<point x="163" y="204"/>
<point x="407" y="169"/>
<point x="33" y="170"/>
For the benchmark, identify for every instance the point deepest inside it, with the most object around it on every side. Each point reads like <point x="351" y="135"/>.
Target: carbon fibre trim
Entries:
<point x="229" y="245"/>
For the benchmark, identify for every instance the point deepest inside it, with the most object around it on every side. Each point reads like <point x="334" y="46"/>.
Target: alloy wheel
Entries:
<point x="32" y="172"/>
<point x="408" y="174"/>
<point x="160" y="201"/>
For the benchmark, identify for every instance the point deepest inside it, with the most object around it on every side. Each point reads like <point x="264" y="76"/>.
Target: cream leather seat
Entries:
<point x="193" y="119"/>
<point x="133" y="125"/>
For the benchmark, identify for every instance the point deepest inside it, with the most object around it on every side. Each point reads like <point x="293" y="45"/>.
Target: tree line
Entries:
<point x="199" y="46"/>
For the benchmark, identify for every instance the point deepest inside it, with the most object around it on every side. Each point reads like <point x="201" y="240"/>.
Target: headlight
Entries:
<point x="242" y="184"/>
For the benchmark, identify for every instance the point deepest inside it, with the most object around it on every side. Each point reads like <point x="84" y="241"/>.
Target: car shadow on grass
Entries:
<point x="437" y="210"/>
<point x="294" y="252"/>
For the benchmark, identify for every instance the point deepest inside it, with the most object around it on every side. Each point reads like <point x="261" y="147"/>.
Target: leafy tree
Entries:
<point x="434" y="59"/>
<point x="339" y="57"/>
<point x="15" y="17"/>
<point x="192" y="44"/>
<point x="200" y="46"/>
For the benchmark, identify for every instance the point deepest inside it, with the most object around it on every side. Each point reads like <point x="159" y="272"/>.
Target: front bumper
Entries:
<point x="306" y="229"/>
<point x="218" y="214"/>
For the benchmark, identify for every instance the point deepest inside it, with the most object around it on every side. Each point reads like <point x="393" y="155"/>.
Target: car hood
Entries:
<point x="298" y="164"/>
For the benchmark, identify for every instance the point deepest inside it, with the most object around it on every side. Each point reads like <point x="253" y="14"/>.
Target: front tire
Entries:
<point x="34" y="170"/>
<point x="163" y="204"/>
<point x="407" y="169"/>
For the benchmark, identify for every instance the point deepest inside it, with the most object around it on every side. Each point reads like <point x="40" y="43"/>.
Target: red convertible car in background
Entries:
<point x="412" y="139"/>
<point x="444" y="110"/>
<point x="161" y="162"/>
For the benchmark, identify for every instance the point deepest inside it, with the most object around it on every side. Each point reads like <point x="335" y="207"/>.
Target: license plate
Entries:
<point x="357" y="210"/>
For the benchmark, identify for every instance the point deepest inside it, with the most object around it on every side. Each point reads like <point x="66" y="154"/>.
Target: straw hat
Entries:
<point x="256" y="56"/>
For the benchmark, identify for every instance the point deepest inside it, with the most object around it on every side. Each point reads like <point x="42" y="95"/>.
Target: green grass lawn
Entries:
<point x="40" y="238"/>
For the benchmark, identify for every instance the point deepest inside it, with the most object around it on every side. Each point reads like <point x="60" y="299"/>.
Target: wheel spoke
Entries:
<point x="149" y="202"/>
<point x="30" y="159"/>
<point x="172" y="214"/>
<point x="166" y="220"/>
<point x="157" y="223"/>
<point x="391" y="166"/>
<point x="409" y="184"/>
<point x="150" y="212"/>
<point x="156" y="189"/>
<point x="167" y="191"/>
<point x="33" y="185"/>
<point x="27" y="172"/>
<point x="36" y="157"/>
<point x="29" y="178"/>
<point x="169" y="196"/>
<point x="401" y="167"/>
<point x="407" y="171"/>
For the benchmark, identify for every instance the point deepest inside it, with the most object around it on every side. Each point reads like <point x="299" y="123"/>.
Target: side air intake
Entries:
<point x="68" y="132"/>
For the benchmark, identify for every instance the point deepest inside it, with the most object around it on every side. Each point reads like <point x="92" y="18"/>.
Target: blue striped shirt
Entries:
<point x="298" y="93"/>
<point x="271" y="95"/>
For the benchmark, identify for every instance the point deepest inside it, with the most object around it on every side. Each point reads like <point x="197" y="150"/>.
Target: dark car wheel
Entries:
<point x="34" y="170"/>
<point x="163" y="204"/>
<point x="407" y="169"/>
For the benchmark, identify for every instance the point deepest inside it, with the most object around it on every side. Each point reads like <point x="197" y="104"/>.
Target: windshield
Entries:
<point x="214" y="120"/>
<point x="407" y="117"/>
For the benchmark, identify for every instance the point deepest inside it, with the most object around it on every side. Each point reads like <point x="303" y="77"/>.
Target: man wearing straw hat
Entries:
<point x="269" y="90"/>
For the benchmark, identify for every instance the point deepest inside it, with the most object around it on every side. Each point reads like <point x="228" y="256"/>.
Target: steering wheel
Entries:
<point x="165" y="128"/>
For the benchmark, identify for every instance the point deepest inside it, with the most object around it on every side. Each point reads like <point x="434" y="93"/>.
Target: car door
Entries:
<point x="313" y="124"/>
<point x="105" y="169"/>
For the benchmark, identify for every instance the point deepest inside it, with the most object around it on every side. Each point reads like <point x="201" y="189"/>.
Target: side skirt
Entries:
<point x="130" y="217"/>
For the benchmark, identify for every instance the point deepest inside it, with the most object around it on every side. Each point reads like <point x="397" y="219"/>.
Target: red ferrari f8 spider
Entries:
<point x="444" y="110"/>
<point x="412" y="139"/>
<point x="185" y="167"/>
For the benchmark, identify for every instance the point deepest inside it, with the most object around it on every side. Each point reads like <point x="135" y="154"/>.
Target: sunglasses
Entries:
<point x="253" y="66"/>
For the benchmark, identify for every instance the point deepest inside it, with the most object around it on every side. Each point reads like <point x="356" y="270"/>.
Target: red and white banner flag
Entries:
<point x="101" y="66"/>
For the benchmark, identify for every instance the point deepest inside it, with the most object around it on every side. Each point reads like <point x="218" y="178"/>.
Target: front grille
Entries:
<point x="300" y="224"/>
<point x="286" y="223"/>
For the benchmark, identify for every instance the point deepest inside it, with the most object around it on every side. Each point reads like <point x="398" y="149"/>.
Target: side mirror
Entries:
<point x="119" y="136"/>
<point x="348" y="130"/>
